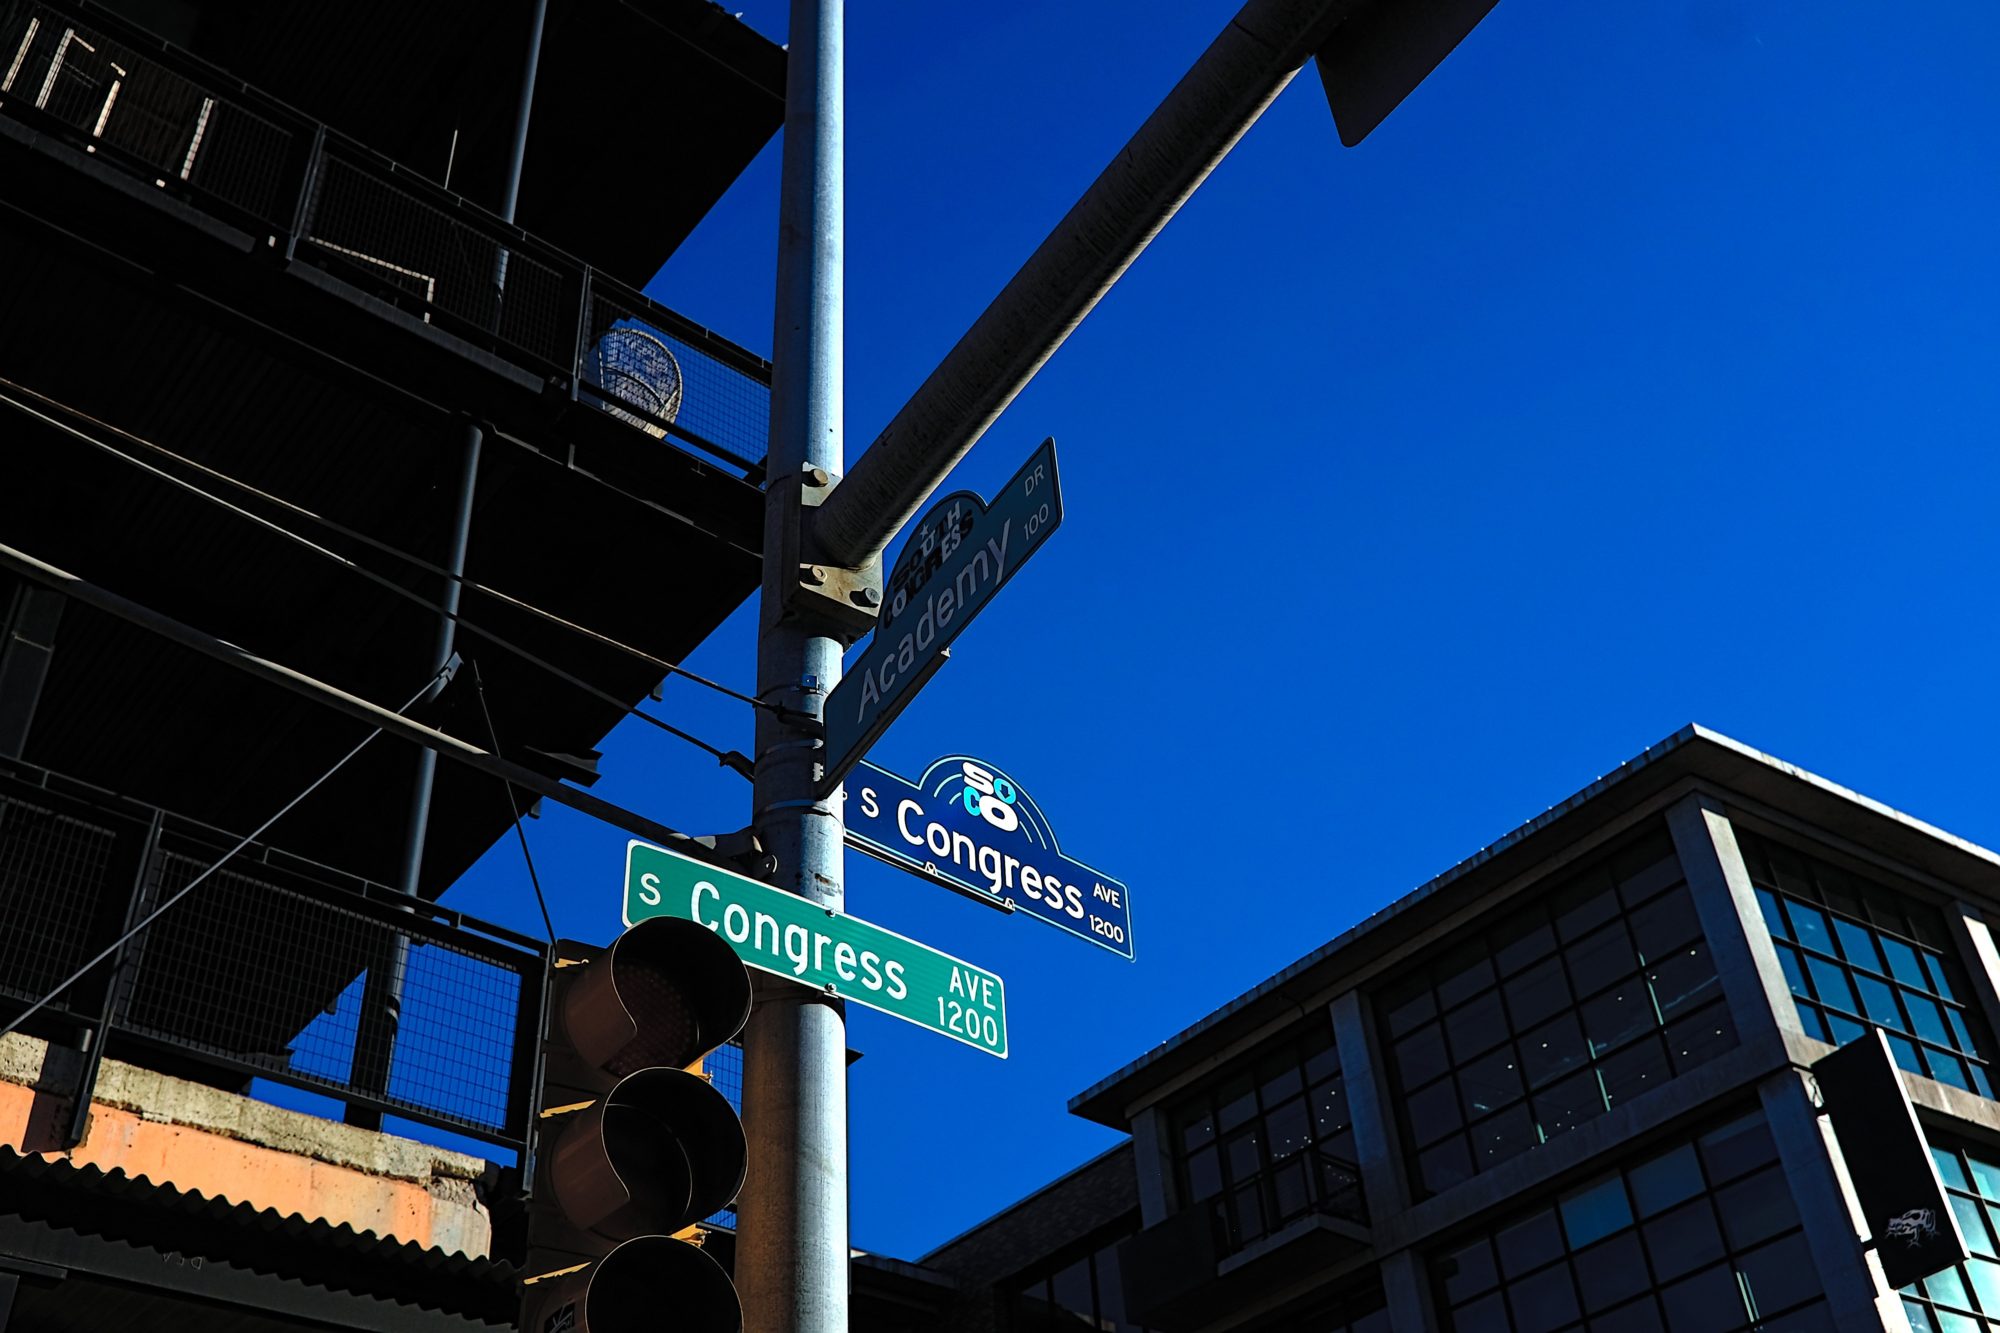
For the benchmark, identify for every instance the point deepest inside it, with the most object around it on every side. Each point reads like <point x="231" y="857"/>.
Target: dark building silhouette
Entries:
<point x="264" y="317"/>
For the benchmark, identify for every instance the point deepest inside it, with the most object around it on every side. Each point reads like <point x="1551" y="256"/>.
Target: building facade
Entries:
<point x="1563" y="1086"/>
<point x="338" y="432"/>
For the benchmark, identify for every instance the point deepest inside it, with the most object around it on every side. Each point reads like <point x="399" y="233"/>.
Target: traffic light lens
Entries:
<point x="668" y="1028"/>
<point x="649" y="1160"/>
<point x="658" y="1283"/>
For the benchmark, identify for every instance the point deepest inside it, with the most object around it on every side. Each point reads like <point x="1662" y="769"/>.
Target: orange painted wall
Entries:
<point x="220" y="1166"/>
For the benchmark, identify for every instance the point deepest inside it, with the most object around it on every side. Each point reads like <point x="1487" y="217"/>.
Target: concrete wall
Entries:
<point x="193" y="1137"/>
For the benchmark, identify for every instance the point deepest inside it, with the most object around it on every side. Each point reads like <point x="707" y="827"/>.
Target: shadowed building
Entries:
<point x="1566" y="1085"/>
<point x="298" y="355"/>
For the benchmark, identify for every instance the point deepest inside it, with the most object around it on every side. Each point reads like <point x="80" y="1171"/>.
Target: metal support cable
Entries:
<point x="197" y="881"/>
<point x="513" y="806"/>
<point x="729" y="759"/>
<point x="19" y="562"/>
<point x="372" y="543"/>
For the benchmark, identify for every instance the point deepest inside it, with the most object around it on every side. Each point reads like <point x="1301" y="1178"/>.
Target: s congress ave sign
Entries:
<point x="783" y="934"/>
<point x="967" y="822"/>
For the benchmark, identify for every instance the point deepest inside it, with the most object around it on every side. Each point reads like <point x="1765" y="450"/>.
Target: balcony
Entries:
<point x="209" y="181"/>
<point x="255" y="975"/>
<point x="195" y="266"/>
<point x="1286" y="1224"/>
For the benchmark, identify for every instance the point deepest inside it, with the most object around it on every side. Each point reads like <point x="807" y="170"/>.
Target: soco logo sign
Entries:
<point x="972" y="826"/>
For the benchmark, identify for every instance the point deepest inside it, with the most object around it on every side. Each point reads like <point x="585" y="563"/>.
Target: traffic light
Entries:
<point x="1382" y="50"/>
<point x="632" y="1147"/>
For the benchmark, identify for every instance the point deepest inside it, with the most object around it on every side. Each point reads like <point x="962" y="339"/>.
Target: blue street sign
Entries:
<point x="968" y="824"/>
<point x="958" y="556"/>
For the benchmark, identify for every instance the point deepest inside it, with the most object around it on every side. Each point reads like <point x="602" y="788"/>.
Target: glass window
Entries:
<point x="1684" y="1239"/>
<point x="1466" y="1272"/>
<point x="1612" y="1272"/>
<point x="1954" y="1299"/>
<point x="1565" y="1009"/>
<point x="1856" y="952"/>
<point x="1664" y="1181"/>
<point x="1544" y="1301"/>
<point x="1595" y="1211"/>
<point x="1286" y="1147"/>
<point x="1083" y="1293"/>
<point x="1701" y="1237"/>
<point x="1563" y="1106"/>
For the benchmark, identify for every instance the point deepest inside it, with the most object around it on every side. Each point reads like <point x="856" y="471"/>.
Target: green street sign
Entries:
<point x="783" y="934"/>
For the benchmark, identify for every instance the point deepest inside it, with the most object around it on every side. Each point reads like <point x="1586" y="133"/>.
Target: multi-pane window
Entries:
<point x="1701" y="1238"/>
<point x="1270" y="1142"/>
<point x="1954" y="1300"/>
<point x="1598" y="992"/>
<point x="1083" y="1294"/>
<point x="1858" y="955"/>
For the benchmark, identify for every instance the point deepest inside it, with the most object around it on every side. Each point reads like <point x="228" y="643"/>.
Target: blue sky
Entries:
<point x="1639" y="370"/>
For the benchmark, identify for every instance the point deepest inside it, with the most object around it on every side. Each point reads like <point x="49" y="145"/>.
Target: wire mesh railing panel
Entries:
<point x="455" y="1049"/>
<point x="633" y="355"/>
<point x="382" y="229"/>
<point x="396" y="241"/>
<point x="538" y="309"/>
<point x="235" y="968"/>
<point x="274" y="979"/>
<point x="239" y="156"/>
<point x="724" y="1067"/>
<point x="55" y="871"/>
<point x="119" y="98"/>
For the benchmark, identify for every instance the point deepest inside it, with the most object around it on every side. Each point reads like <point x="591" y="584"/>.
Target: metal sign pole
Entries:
<point x="791" y="1257"/>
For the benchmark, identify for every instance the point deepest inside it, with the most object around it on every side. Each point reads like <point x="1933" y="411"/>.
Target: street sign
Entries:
<point x="959" y="555"/>
<point x="968" y="824"/>
<point x="783" y="934"/>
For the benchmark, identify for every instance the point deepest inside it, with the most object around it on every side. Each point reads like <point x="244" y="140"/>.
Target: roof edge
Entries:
<point x="1104" y="1102"/>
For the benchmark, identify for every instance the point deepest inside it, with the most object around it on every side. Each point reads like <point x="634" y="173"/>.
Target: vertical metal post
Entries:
<point x="382" y="994"/>
<point x="524" y="104"/>
<point x="382" y="997"/>
<point x="791" y="1257"/>
<point x="118" y="982"/>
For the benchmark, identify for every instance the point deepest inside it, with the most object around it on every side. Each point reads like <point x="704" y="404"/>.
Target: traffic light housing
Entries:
<point x="632" y="1147"/>
<point x="1382" y="50"/>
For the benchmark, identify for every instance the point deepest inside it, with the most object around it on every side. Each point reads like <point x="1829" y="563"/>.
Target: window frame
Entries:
<point x="1510" y="1252"/>
<point x="1247" y="1204"/>
<point x="1811" y="969"/>
<point x="1570" y="955"/>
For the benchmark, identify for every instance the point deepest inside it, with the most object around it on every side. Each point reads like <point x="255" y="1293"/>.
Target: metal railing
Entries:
<point x="85" y="75"/>
<point x="259" y="972"/>
<point x="1306" y="1182"/>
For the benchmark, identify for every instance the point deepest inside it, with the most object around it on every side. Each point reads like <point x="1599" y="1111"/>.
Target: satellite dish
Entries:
<point x="633" y="366"/>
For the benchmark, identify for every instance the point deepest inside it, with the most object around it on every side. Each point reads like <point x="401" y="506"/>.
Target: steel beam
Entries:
<point x="89" y="594"/>
<point x="1132" y="199"/>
